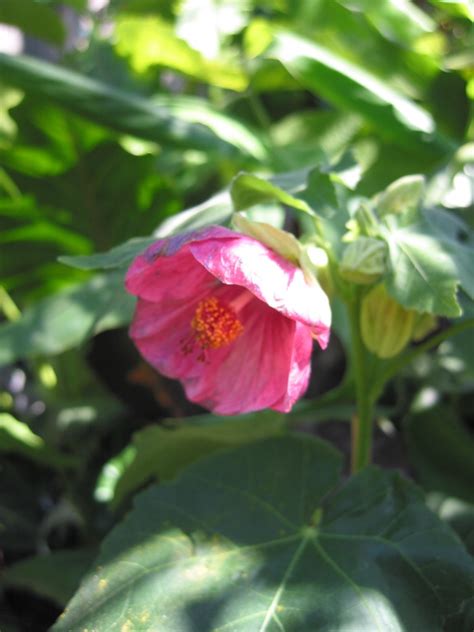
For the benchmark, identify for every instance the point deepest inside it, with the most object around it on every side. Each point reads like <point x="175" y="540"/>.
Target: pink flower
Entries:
<point x="231" y="319"/>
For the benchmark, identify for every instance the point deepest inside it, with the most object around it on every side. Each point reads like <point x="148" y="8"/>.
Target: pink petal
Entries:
<point x="168" y="278"/>
<point x="271" y="278"/>
<point x="300" y="368"/>
<point x="160" y="334"/>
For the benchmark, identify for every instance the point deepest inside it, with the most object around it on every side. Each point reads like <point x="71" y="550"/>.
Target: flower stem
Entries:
<point x="362" y="422"/>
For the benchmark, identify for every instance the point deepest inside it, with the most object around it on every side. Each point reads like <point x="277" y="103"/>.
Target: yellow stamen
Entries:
<point x="215" y="324"/>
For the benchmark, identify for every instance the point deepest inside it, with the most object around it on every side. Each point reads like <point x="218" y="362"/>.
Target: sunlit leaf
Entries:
<point x="150" y="41"/>
<point x="207" y="25"/>
<point x="458" y="8"/>
<point x="422" y="276"/>
<point x="398" y="20"/>
<point x="353" y="89"/>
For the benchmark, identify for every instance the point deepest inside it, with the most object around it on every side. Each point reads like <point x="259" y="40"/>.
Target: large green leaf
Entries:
<point x="353" y="89"/>
<point x="163" y="452"/>
<point x="121" y="110"/>
<point x="262" y="539"/>
<point x="398" y="20"/>
<point x="67" y="319"/>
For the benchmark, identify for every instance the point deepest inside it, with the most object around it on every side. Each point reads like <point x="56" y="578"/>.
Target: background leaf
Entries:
<point x="112" y="107"/>
<point x="33" y="18"/>
<point x="67" y="319"/>
<point x="17" y="438"/>
<point x="55" y="575"/>
<point x="354" y="89"/>
<point x="441" y="449"/>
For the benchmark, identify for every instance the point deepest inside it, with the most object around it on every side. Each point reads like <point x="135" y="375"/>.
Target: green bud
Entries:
<point x="282" y="242"/>
<point x="401" y="196"/>
<point x="363" y="260"/>
<point x="386" y="327"/>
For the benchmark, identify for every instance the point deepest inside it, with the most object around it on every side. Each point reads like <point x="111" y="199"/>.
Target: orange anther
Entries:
<point x="215" y="324"/>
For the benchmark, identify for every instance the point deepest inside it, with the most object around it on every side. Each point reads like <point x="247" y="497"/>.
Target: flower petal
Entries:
<point x="160" y="335"/>
<point x="300" y="368"/>
<point x="168" y="278"/>
<point x="271" y="278"/>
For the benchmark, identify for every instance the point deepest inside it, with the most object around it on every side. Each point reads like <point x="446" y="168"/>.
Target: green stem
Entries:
<point x="362" y="422"/>
<point x="259" y="111"/>
<point x="7" y="305"/>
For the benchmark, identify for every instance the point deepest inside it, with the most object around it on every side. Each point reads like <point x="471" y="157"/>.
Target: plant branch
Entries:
<point x="362" y="422"/>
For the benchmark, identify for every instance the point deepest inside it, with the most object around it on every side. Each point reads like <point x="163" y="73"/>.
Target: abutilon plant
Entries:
<point x="229" y="317"/>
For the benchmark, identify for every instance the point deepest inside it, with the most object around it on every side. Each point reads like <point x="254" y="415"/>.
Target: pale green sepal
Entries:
<point x="280" y="241"/>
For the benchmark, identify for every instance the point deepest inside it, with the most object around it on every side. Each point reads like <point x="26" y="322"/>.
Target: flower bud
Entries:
<point x="363" y="260"/>
<point x="386" y="327"/>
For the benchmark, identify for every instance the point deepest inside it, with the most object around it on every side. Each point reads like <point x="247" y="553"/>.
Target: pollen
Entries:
<point x="215" y="324"/>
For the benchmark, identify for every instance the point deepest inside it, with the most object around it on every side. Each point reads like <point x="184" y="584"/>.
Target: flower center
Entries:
<point x="215" y="324"/>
